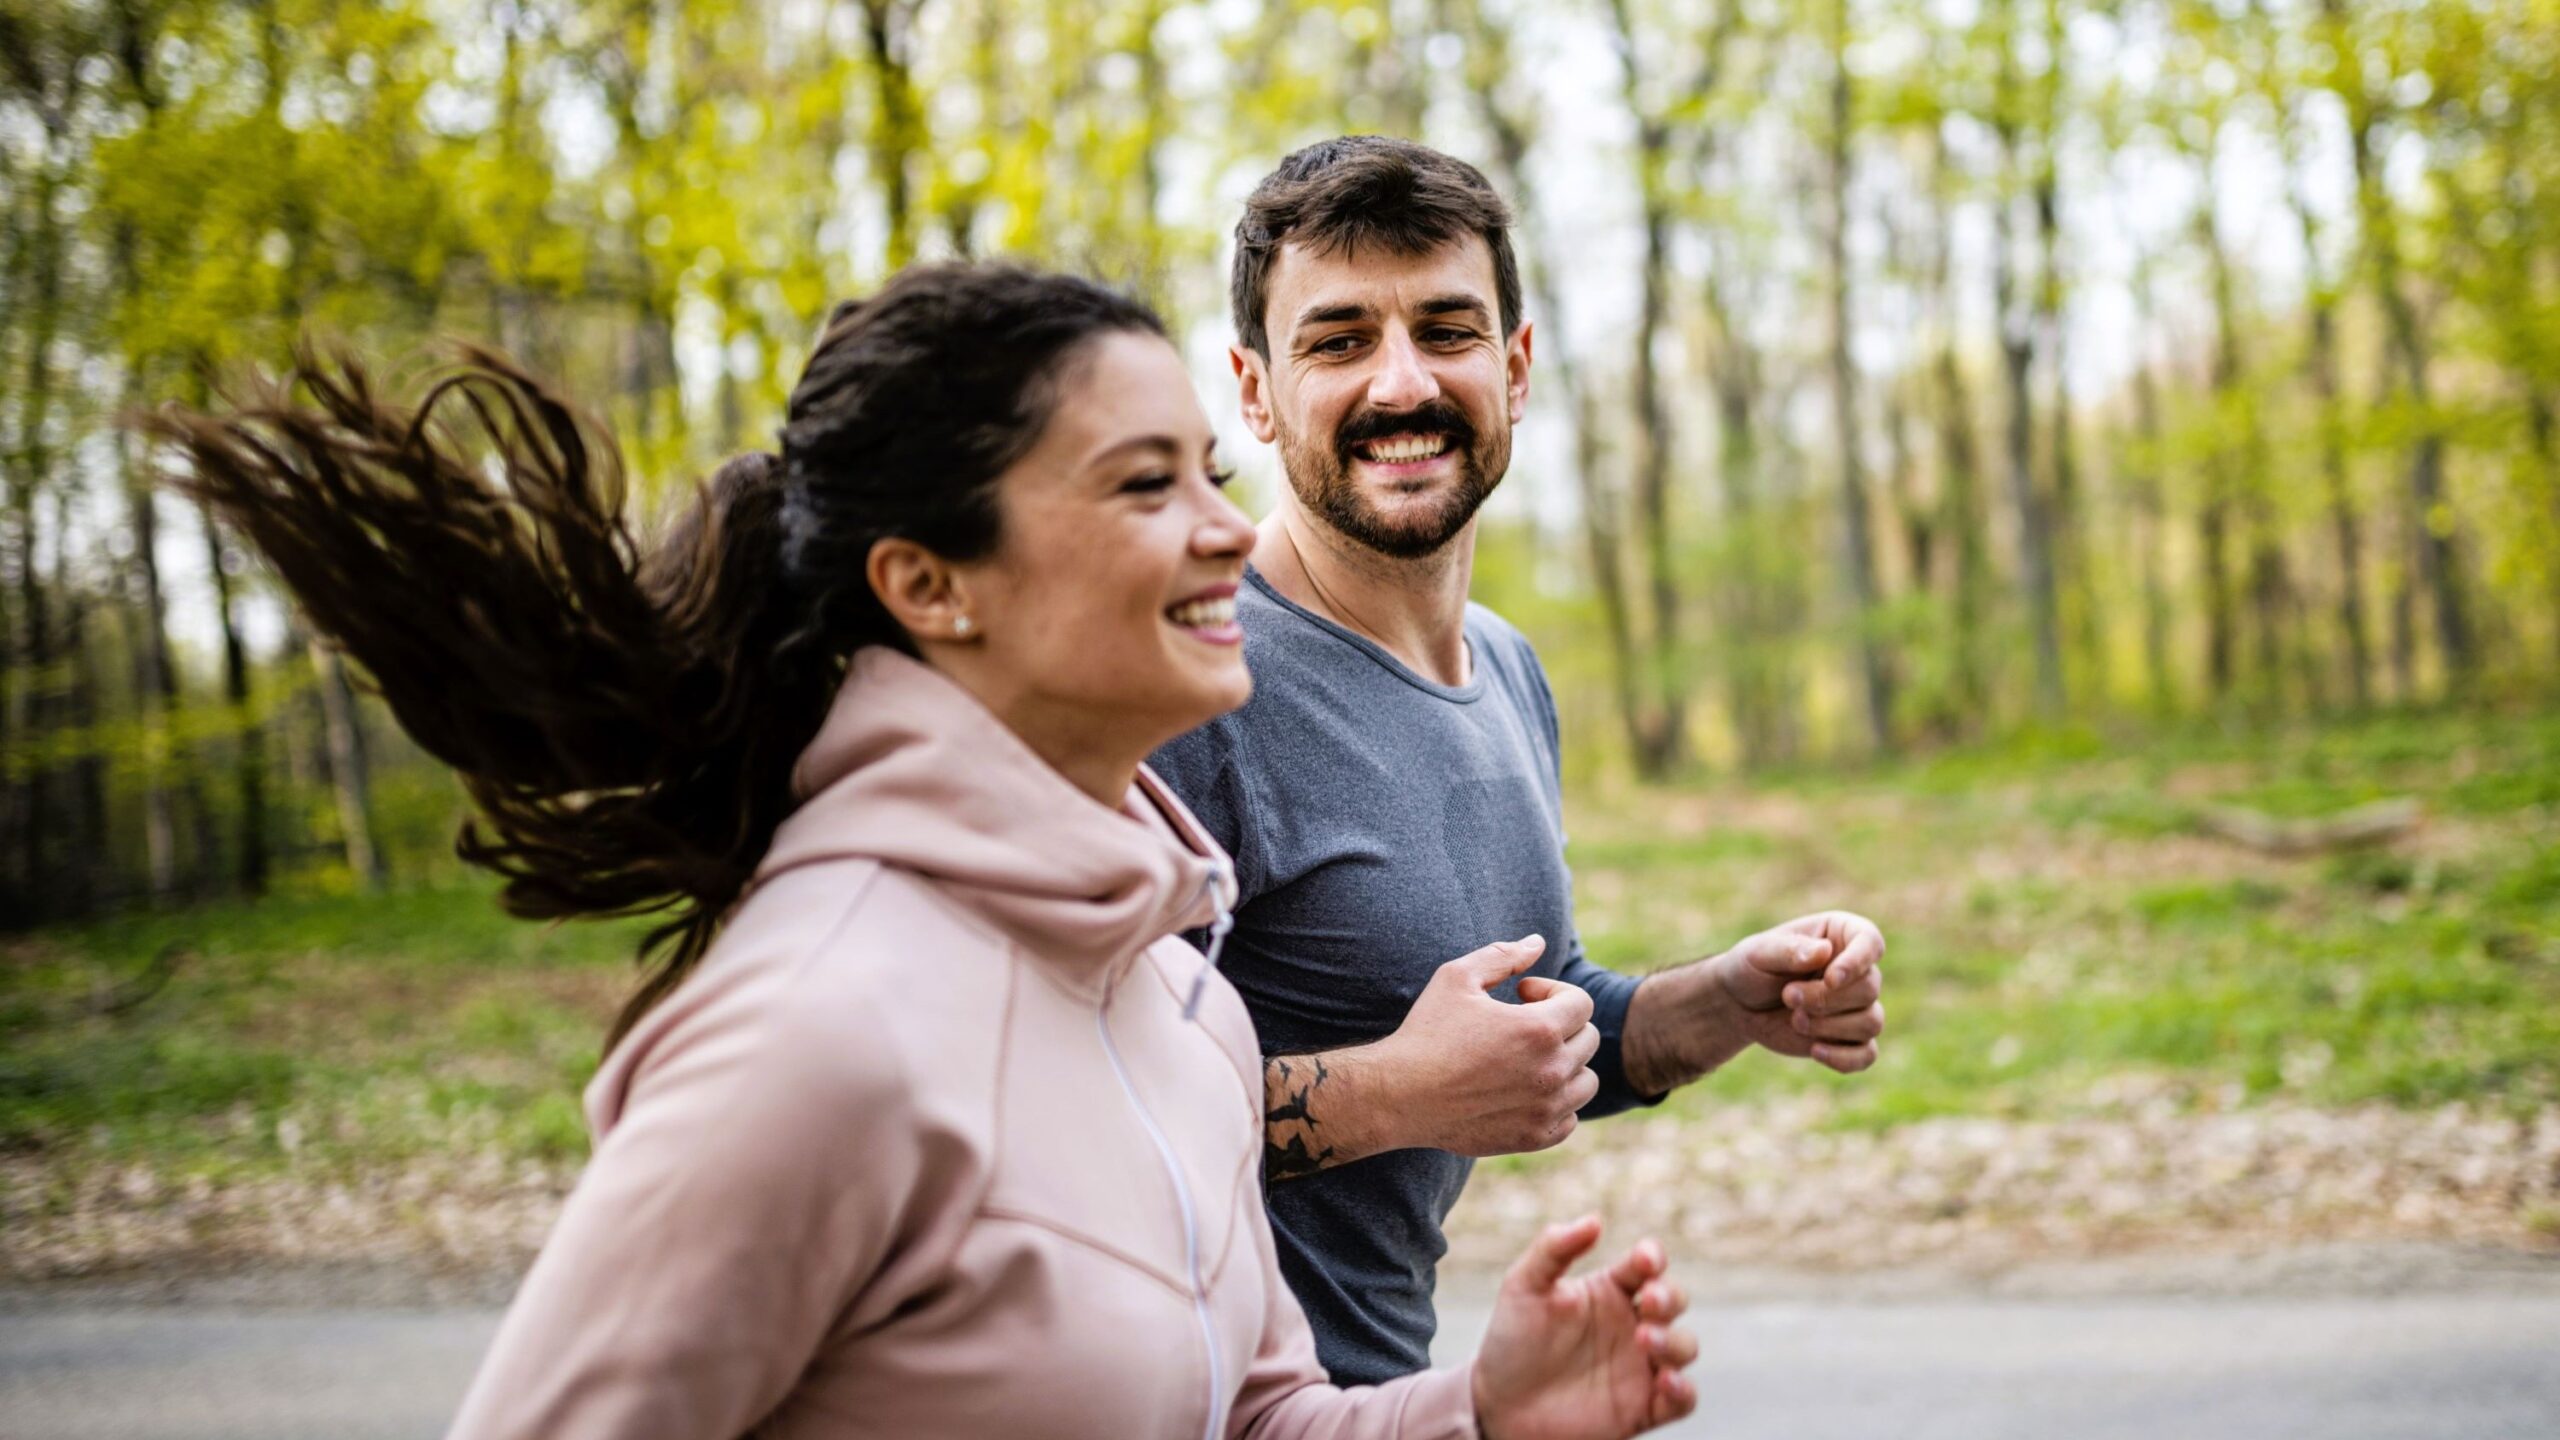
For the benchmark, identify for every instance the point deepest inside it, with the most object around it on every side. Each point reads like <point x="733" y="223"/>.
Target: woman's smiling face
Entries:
<point x="1105" y="617"/>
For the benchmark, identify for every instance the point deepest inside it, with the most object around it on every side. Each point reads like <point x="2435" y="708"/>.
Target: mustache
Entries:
<point x="1437" y="415"/>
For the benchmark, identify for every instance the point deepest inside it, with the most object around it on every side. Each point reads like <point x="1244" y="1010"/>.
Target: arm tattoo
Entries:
<point x="1289" y="1125"/>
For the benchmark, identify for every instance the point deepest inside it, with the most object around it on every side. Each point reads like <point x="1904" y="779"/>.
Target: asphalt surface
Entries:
<point x="2344" y="1368"/>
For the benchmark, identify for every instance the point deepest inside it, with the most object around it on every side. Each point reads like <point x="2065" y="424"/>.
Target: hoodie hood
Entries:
<point x="910" y="770"/>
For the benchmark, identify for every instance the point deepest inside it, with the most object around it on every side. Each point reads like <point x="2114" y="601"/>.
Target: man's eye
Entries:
<point x="1337" y="345"/>
<point x="1451" y="335"/>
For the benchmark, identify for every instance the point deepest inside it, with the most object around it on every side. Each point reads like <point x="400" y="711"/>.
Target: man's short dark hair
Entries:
<point x="1358" y="190"/>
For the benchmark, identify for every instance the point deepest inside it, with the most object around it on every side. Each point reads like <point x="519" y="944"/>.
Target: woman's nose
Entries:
<point x="1225" y="532"/>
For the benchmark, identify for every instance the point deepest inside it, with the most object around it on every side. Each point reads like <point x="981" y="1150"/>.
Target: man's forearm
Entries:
<point x="1318" y="1111"/>
<point x="1680" y="1025"/>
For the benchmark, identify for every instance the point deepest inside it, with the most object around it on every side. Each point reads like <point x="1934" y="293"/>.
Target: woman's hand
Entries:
<point x="1594" y="1358"/>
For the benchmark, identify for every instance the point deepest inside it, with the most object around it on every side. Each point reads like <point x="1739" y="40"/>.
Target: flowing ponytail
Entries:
<point x="625" y="727"/>
<point x="626" y="718"/>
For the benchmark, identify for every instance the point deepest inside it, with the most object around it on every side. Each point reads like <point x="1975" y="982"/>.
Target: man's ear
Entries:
<point x="1515" y="358"/>
<point x="1253" y="390"/>
<point x="920" y="590"/>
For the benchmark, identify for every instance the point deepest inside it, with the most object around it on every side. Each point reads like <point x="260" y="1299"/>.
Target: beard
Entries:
<point x="1322" y="476"/>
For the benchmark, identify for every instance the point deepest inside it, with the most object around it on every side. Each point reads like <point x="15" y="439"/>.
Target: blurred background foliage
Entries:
<point x="1977" y="447"/>
<point x="1912" y="373"/>
<point x="1920" y="383"/>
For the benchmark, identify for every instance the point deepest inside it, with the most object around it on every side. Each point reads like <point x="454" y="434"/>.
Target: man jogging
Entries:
<point x="1391" y="793"/>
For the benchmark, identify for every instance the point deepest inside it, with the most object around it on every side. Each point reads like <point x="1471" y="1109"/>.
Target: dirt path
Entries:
<point x="1749" y="1185"/>
<point x="1768" y="1185"/>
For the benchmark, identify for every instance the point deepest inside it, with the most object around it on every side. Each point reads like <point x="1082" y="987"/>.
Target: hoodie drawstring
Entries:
<point x="1218" y="929"/>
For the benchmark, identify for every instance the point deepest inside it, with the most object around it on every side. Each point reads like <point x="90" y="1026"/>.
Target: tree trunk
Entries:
<point x="2076" y="585"/>
<point x="155" y="681"/>
<point x="2149" y="505"/>
<point x="2238" y="478"/>
<point x="646" y="363"/>
<point x="2214" y="520"/>
<point x="1913" y="514"/>
<point x="2430" y="526"/>
<point x="1858" y="542"/>
<point x="2320" y="366"/>
<point x="1961" y="465"/>
<point x="2344" y="529"/>
<point x="1154" y="277"/>
<point x="1666" y="748"/>
<point x="2143" y="482"/>
<point x="2017" y="355"/>
<point x="88" y="869"/>
<point x="34" y="700"/>
<point x="1753" y="641"/>
<point x="2018" y="358"/>
<point x="347" y="768"/>
<point x="897" y="126"/>
<point x="249" y="760"/>
<point x="1663" y="748"/>
<point x="2541" y="388"/>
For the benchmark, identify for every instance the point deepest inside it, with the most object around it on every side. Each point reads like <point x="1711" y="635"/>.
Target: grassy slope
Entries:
<point x="2055" y="922"/>
<point x="355" y="1028"/>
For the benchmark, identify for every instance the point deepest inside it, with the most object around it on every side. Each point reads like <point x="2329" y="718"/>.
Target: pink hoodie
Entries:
<point x="928" y="1146"/>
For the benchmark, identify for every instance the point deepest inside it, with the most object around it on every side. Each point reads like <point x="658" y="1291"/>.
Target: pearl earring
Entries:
<point x="962" y="626"/>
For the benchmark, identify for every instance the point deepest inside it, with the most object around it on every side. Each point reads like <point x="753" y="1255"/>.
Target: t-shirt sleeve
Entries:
<point x="1610" y="994"/>
<point x="1205" y="770"/>
<point x="1610" y="991"/>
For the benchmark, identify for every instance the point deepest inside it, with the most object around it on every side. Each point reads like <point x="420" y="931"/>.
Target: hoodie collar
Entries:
<point x="911" y="770"/>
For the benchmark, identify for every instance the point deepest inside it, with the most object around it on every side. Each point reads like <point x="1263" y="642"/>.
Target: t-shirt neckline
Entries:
<point x="1455" y="694"/>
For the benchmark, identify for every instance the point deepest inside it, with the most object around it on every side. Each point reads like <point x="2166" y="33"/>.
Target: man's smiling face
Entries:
<point x="1390" y="388"/>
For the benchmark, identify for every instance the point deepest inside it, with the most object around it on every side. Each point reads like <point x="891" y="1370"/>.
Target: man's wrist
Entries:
<point x="1323" y="1109"/>
<point x="1681" y="1023"/>
<point x="1365" y="1113"/>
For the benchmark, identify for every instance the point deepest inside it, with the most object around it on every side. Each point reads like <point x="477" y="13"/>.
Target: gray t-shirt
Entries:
<point x="1382" y="825"/>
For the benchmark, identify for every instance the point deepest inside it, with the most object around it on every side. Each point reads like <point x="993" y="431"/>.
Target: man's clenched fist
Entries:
<point x="1479" y="1076"/>
<point x="1811" y="988"/>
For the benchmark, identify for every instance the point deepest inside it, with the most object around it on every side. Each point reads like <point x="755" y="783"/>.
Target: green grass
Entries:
<point x="314" y="1029"/>
<point x="2056" y="921"/>
<point x="2056" y="918"/>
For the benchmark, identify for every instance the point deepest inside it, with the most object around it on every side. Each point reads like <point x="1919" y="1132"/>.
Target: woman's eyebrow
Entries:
<point x="1163" y="444"/>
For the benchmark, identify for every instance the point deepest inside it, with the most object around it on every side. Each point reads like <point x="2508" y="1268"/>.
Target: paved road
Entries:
<point x="2472" y="1366"/>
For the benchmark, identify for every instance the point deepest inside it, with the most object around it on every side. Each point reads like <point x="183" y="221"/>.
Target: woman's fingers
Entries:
<point x="1661" y="1301"/>
<point x="1674" y="1396"/>
<point x="1670" y="1351"/>
<point x="1643" y="1261"/>
<point x="1553" y="1253"/>
<point x="1668" y="1347"/>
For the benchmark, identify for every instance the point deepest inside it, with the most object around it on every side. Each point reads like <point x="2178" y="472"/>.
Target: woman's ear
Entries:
<point x="922" y="591"/>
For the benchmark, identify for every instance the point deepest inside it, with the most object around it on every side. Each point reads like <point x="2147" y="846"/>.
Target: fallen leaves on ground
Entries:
<point x="1761" y="1184"/>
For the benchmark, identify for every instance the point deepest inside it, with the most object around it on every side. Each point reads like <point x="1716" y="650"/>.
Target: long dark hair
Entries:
<point x="625" y="716"/>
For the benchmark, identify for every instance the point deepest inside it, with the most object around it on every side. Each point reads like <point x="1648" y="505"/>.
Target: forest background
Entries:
<point x="2079" y="479"/>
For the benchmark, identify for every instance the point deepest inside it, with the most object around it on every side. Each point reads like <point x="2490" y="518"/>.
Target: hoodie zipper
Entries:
<point x="1190" y="1217"/>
